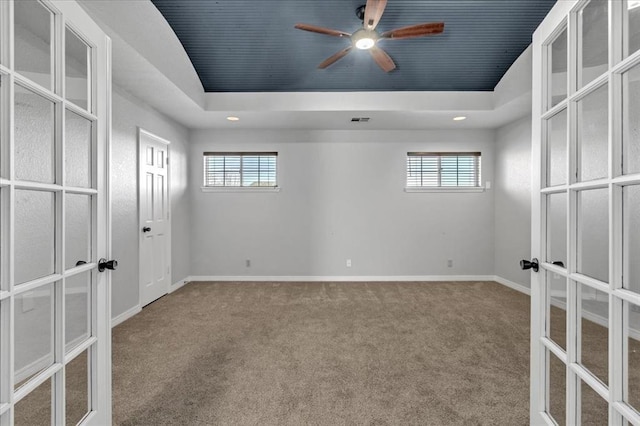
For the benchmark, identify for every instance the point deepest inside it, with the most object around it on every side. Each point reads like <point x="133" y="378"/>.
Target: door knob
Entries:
<point x="107" y="264"/>
<point x="146" y="229"/>
<point x="532" y="264"/>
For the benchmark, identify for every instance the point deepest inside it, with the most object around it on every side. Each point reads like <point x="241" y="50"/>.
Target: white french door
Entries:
<point x="585" y="317"/>
<point x="155" y="227"/>
<point x="55" y="350"/>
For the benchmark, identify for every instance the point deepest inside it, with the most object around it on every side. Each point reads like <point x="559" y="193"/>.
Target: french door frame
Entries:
<point x="65" y="15"/>
<point x="564" y="15"/>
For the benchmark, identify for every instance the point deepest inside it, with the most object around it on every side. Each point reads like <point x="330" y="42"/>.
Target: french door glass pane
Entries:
<point x="594" y="409"/>
<point x="633" y="27"/>
<point x="4" y="172"/>
<point x="593" y="135"/>
<point x="4" y="282"/>
<point x="558" y="69"/>
<point x="631" y="236"/>
<point x="76" y="69"/>
<point x="77" y="308"/>
<point x="632" y="314"/>
<point x="557" y="149"/>
<point x="32" y="53"/>
<point x="77" y="230"/>
<point x="34" y="235"/>
<point x="77" y="388"/>
<point x="594" y="38"/>
<point x="34" y="321"/>
<point x="557" y="228"/>
<point x="595" y="332"/>
<point x="35" y="408"/>
<point x="593" y="233"/>
<point x="77" y="154"/>
<point x="556" y="309"/>
<point x="631" y="118"/>
<point x="34" y="137"/>
<point x="556" y="401"/>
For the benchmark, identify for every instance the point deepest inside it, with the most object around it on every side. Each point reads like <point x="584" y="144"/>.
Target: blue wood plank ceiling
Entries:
<point x="252" y="46"/>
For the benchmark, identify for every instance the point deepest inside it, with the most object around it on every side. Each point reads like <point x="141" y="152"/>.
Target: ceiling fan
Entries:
<point x="367" y="37"/>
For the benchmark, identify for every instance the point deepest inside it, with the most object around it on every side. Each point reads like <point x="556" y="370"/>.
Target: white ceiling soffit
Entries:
<point x="150" y="63"/>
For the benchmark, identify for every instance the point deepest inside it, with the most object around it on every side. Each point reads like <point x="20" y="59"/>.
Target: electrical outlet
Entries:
<point x="450" y="263"/>
<point x="348" y="263"/>
<point x="247" y="263"/>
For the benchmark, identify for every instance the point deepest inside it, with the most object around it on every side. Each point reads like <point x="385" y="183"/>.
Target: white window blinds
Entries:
<point x="240" y="169"/>
<point x="443" y="169"/>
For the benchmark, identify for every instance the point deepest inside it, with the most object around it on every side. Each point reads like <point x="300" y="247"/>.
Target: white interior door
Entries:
<point x="585" y="317"/>
<point x="55" y="341"/>
<point x="155" y="227"/>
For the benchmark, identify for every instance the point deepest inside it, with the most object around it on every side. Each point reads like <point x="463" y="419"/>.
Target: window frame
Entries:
<point x="238" y="188"/>
<point x="439" y="188"/>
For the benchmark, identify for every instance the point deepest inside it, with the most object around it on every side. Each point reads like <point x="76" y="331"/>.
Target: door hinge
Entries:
<point x="167" y="160"/>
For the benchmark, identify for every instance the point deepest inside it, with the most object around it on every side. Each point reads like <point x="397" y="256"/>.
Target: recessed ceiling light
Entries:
<point x="460" y="118"/>
<point x="232" y="118"/>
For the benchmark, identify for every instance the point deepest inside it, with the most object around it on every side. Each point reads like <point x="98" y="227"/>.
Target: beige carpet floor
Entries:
<point x="331" y="354"/>
<point x="325" y="354"/>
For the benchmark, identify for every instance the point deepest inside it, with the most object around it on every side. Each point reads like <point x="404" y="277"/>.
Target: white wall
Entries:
<point x="342" y="197"/>
<point x="130" y="113"/>
<point x="513" y="200"/>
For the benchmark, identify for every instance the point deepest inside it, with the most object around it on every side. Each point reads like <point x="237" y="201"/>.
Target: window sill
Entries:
<point x="239" y="189"/>
<point x="445" y="189"/>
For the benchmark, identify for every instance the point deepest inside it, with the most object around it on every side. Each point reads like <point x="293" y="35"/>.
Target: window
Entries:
<point x="240" y="169"/>
<point x="443" y="170"/>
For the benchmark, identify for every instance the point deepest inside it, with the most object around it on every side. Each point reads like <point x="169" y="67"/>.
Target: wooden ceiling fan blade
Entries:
<point x="382" y="59"/>
<point x="419" y="30"/>
<point x="322" y="30"/>
<point x="373" y="12"/>
<point x="329" y="61"/>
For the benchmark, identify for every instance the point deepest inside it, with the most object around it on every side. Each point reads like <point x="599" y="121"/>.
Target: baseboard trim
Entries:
<point x="353" y="278"/>
<point x="178" y="284"/>
<point x="125" y="315"/>
<point x="512" y="285"/>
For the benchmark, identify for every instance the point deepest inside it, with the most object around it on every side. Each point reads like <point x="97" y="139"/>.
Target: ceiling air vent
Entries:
<point x="360" y="119"/>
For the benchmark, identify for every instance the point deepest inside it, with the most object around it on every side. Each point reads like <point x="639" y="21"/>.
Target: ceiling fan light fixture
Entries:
<point x="365" y="43"/>
<point x="363" y="39"/>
